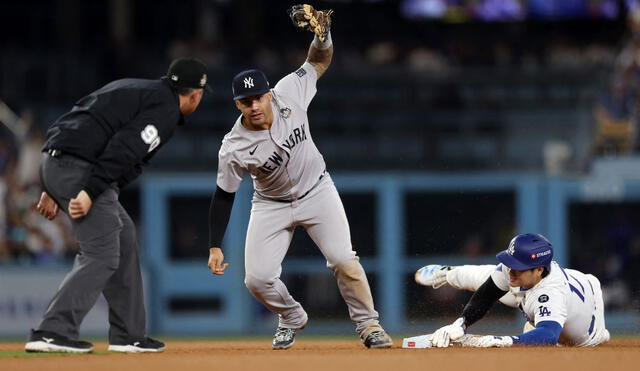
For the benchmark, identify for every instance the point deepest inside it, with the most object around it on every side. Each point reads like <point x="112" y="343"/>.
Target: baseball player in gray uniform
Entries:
<point x="271" y="140"/>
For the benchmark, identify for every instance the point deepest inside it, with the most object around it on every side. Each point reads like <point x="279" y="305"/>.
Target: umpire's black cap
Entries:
<point x="249" y="83"/>
<point x="188" y="73"/>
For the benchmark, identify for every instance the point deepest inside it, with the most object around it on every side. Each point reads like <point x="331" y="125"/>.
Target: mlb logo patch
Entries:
<point x="301" y="72"/>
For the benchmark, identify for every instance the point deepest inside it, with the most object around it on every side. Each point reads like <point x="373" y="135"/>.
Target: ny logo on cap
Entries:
<point x="203" y="80"/>
<point x="174" y="77"/>
<point x="248" y="82"/>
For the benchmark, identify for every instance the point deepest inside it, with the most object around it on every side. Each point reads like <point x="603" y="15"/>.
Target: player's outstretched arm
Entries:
<point x="219" y="213"/>
<point x="481" y="301"/>
<point x="445" y="335"/>
<point x="545" y="333"/>
<point x="320" y="54"/>
<point x="487" y="341"/>
<point x="476" y="308"/>
<point x="319" y="22"/>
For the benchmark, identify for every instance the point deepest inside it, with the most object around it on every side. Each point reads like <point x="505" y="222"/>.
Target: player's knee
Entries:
<point x="350" y="268"/>
<point x="110" y="261"/>
<point x="342" y="259"/>
<point x="128" y="239"/>
<point x="101" y="262"/>
<point x="256" y="284"/>
<point x="103" y="251"/>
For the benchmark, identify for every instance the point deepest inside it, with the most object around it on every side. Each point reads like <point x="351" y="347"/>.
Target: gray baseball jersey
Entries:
<point x="292" y="189"/>
<point x="284" y="162"/>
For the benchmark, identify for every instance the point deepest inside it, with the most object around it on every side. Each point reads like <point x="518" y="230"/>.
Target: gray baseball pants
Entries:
<point x="269" y="235"/>
<point x="107" y="263"/>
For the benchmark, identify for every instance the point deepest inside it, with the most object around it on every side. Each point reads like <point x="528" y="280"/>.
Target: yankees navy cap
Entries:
<point x="527" y="251"/>
<point x="249" y="83"/>
<point x="188" y="73"/>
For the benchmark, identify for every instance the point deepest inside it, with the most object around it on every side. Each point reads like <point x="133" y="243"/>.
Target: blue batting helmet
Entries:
<point x="527" y="251"/>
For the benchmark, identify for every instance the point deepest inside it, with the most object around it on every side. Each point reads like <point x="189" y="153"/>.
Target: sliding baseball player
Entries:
<point x="562" y="306"/>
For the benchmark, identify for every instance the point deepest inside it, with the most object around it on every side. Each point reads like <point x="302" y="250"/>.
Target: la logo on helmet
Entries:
<point x="512" y="247"/>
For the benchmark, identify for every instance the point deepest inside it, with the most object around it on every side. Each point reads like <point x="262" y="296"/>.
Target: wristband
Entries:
<point x="322" y="45"/>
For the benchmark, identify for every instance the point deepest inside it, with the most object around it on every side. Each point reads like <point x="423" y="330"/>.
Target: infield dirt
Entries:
<point x="333" y="355"/>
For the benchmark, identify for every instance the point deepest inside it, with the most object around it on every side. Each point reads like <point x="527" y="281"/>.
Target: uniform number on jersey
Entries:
<point x="150" y="136"/>
<point x="544" y="311"/>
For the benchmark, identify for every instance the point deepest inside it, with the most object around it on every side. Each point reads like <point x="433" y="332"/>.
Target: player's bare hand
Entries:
<point x="445" y="335"/>
<point x="216" y="257"/>
<point x="47" y="207"/>
<point x="80" y="205"/>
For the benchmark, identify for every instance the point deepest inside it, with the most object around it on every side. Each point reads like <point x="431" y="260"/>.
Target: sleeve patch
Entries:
<point x="301" y="72"/>
<point x="543" y="298"/>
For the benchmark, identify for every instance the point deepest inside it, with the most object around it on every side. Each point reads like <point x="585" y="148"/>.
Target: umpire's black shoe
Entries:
<point x="146" y="345"/>
<point x="50" y="342"/>
<point x="378" y="339"/>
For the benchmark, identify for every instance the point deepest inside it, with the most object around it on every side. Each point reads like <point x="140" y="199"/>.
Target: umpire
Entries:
<point x="90" y="153"/>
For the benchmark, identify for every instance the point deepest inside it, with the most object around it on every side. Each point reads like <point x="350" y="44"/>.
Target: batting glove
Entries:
<point x="489" y="341"/>
<point x="445" y="335"/>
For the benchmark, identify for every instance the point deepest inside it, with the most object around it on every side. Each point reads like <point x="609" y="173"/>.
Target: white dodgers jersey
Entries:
<point x="283" y="161"/>
<point x="566" y="296"/>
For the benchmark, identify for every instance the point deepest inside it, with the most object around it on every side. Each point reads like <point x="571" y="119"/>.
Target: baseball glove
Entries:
<point x="307" y="18"/>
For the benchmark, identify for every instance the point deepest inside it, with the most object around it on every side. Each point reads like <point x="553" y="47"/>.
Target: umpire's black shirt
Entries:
<point x="117" y="128"/>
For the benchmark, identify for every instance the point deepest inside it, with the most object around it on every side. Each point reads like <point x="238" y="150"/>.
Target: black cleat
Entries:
<point x="378" y="339"/>
<point x="50" y="342"/>
<point x="146" y="345"/>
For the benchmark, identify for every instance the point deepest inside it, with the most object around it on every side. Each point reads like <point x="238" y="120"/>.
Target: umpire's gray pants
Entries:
<point x="107" y="262"/>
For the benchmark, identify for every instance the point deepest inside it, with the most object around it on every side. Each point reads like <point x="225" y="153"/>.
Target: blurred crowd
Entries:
<point x="617" y="109"/>
<point x="436" y="54"/>
<point x="25" y="236"/>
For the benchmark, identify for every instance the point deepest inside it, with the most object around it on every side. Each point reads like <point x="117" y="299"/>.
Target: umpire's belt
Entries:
<point x="57" y="153"/>
<point x="306" y="193"/>
<point x="53" y="152"/>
